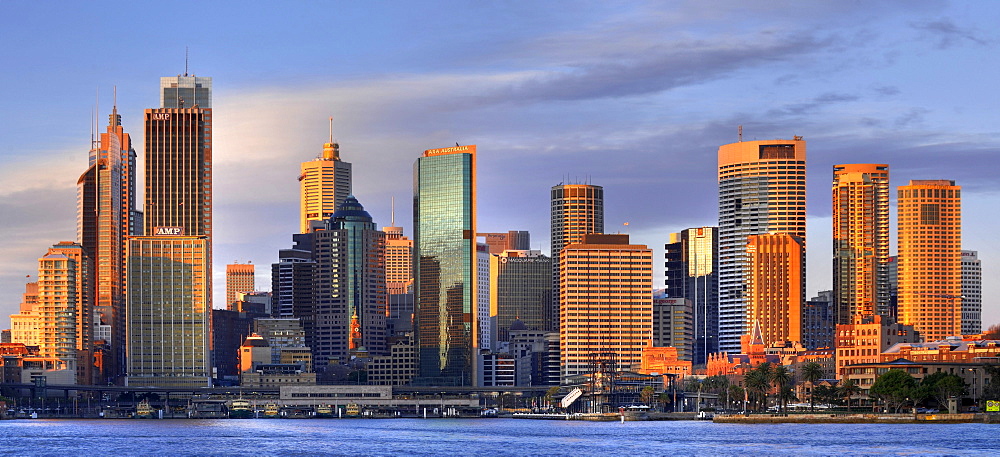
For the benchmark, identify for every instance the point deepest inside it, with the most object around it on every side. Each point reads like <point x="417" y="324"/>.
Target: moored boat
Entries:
<point x="240" y="409"/>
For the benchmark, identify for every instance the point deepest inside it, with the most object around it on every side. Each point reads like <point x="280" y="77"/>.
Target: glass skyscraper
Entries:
<point x="444" y="221"/>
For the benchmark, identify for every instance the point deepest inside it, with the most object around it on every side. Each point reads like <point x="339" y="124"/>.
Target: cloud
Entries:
<point x="948" y="34"/>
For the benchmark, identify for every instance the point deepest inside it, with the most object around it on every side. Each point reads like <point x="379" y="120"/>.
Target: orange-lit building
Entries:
<point x="24" y="324"/>
<point x="860" y="240"/>
<point x="606" y="304"/>
<point x="65" y="316"/>
<point x="930" y="257"/>
<point x="576" y="210"/>
<point x="775" y="285"/>
<point x="239" y="280"/>
<point x="762" y="189"/>
<point x="663" y="360"/>
<point x="398" y="261"/>
<point x="324" y="184"/>
<point x="864" y="340"/>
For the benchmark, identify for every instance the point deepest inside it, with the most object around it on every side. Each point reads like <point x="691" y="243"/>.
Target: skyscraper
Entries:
<point x="577" y="209"/>
<point x="349" y="287"/>
<point x="520" y="289"/>
<point x="445" y="270"/>
<point x="63" y="310"/>
<point x="513" y="240"/>
<point x="775" y="291"/>
<point x="972" y="293"/>
<point x="106" y="216"/>
<point x="170" y="268"/>
<point x="239" y="280"/>
<point x="324" y="184"/>
<point x="606" y="306"/>
<point x="930" y="257"/>
<point x="692" y="272"/>
<point x="860" y="240"/>
<point x="762" y="189"/>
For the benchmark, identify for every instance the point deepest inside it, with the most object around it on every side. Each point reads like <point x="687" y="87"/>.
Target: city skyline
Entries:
<point x="634" y="99"/>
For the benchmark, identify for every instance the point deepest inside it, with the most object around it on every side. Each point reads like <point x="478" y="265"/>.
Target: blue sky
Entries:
<point x="633" y="96"/>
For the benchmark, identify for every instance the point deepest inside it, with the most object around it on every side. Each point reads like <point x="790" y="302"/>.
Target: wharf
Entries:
<point x="856" y="418"/>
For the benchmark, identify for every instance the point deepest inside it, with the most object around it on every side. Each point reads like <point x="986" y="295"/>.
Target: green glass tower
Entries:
<point x="444" y="221"/>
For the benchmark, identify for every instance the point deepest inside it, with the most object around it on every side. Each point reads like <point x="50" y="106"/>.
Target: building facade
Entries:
<point x="606" y="302"/>
<point x="775" y="289"/>
<point x="576" y="210"/>
<point x="692" y="272"/>
<point x="445" y="265"/>
<point x="860" y="240"/>
<point x="972" y="293"/>
<point x="239" y="280"/>
<point x="930" y="257"/>
<point x="673" y="325"/>
<point x="762" y="189"/>
<point x="520" y="289"/>
<point x="324" y="184"/>
<point x="64" y="313"/>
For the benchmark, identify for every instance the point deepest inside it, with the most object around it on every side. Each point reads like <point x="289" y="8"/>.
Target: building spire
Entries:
<point x="331" y="150"/>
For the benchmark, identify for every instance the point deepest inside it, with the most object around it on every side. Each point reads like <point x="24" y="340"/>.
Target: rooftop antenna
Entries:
<point x="331" y="129"/>
<point x="185" y="60"/>
<point x="741" y="133"/>
<point x="392" y="211"/>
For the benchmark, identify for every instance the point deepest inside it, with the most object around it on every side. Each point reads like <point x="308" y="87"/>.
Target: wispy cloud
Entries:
<point x="947" y="34"/>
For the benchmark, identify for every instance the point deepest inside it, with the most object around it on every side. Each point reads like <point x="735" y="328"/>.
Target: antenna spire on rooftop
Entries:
<point x="185" y="60"/>
<point x="331" y="129"/>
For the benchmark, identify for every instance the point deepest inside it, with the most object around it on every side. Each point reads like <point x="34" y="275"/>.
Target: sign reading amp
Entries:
<point x="159" y="116"/>
<point x="169" y="231"/>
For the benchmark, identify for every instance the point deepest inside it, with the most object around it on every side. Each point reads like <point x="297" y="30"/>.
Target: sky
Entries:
<point x="633" y="96"/>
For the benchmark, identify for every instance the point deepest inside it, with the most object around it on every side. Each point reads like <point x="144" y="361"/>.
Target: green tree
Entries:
<point x="812" y="372"/>
<point x="847" y="390"/>
<point x="941" y="386"/>
<point x="647" y="395"/>
<point x="894" y="388"/>
<point x="781" y="379"/>
<point x="735" y="393"/>
<point x="758" y="382"/>
<point x="991" y="390"/>
<point x="550" y="395"/>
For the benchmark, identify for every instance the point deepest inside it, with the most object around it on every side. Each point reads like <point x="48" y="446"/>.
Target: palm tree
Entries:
<point x="848" y="388"/>
<point x="812" y="372"/>
<point x="781" y="377"/>
<point x="758" y="381"/>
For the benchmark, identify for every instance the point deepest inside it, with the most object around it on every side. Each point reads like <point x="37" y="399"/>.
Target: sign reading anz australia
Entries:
<point x="169" y="231"/>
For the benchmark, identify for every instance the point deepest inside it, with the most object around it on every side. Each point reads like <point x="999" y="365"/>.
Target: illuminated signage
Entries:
<point x="992" y="406"/>
<point x="169" y="231"/>
<point x="452" y="150"/>
<point x="159" y="116"/>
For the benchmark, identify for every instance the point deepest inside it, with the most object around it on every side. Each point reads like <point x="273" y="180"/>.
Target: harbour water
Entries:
<point x="485" y="437"/>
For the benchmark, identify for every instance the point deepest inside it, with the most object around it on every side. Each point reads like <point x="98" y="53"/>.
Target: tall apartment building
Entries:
<point x="762" y="189"/>
<point x="170" y="268"/>
<point x="606" y="301"/>
<point x="239" y="280"/>
<point x="63" y="310"/>
<point x="106" y="217"/>
<point x="972" y="293"/>
<point x="445" y="269"/>
<point x="775" y="288"/>
<point x="860" y="240"/>
<point x="576" y="210"/>
<point x="692" y="272"/>
<point x="349" y="287"/>
<point x="930" y="257"/>
<point x="520" y="290"/>
<point x="324" y="184"/>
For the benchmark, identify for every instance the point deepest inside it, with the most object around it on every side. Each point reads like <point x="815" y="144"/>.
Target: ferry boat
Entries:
<point x="352" y="410"/>
<point x="240" y="409"/>
<point x="324" y="411"/>
<point x="271" y="411"/>
<point x="143" y="410"/>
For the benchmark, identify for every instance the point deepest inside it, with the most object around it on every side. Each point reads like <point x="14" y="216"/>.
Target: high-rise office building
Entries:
<point x="485" y="329"/>
<point x="518" y="240"/>
<point x="445" y="265"/>
<point x="520" y="290"/>
<point x="106" y="216"/>
<point x="972" y="293"/>
<point x="291" y="281"/>
<point x="64" y="313"/>
<point x="170" y="268"/>
<point x="576" y="210"/>
<point x="606" y="306"/>
<point x="349" y="287"/>
<point x="398" y="280"/>
<point x="930" y="257"/>
<point x="860" y="240"/>
<point x="239" y="280"/>
<point x="775" y="290"/>
<point x="324" y="184"/>
<point x="692" y="272"/>
<point x="673" y="324"/>
<point x="762" y="189"/>
<point x="818" y="321"/>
